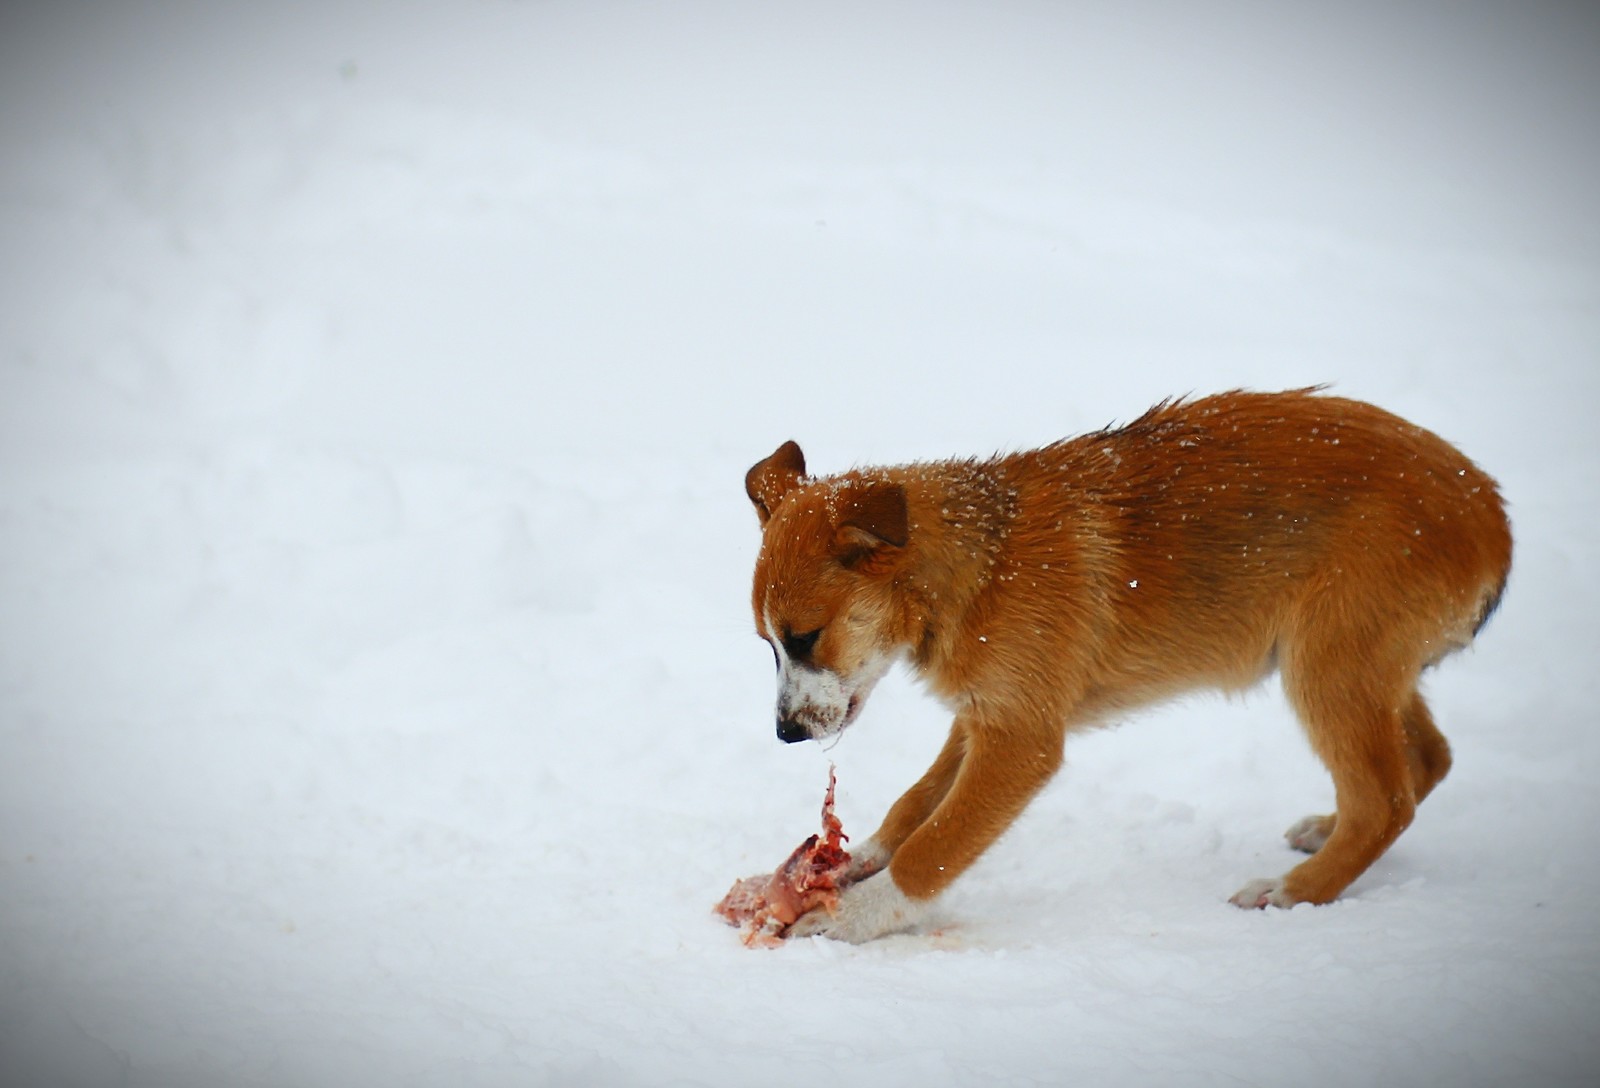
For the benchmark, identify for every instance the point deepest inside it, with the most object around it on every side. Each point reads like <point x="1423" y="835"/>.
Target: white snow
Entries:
<point x="379" y="699"/>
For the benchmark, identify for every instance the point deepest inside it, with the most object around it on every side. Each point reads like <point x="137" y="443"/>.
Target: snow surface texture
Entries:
<point x="378" y="699"/>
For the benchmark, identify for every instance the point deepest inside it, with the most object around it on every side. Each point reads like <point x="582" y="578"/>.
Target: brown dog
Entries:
<point x="1205" y="544"/>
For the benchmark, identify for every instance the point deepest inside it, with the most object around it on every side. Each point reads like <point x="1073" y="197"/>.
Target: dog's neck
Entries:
<point x="960" y="517"/>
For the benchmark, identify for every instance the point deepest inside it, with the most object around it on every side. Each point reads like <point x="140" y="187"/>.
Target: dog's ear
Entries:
<point x="769" y="481"/>
<point x="873" y="524"/>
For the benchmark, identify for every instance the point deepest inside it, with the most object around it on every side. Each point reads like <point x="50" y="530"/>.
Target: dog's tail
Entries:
<point x="1491" y="603"/>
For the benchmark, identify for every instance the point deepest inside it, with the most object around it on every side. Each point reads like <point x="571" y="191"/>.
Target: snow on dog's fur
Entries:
<point x="1207" y="543"/>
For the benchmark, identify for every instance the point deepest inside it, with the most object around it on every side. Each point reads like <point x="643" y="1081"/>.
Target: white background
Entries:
<point x="379" y="702"/>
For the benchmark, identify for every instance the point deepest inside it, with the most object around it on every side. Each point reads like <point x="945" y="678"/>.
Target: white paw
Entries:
<point x="1262" y="893"/>
<point x="873" y="908"/>
<point x="1310" y="834"/>
<point x="866" y="859"/>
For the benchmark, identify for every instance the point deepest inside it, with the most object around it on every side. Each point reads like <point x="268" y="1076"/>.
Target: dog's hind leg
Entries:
<point x="1364" y="720"/>
<point x="1427" y="754"/>
<point x="1428" y="751"/>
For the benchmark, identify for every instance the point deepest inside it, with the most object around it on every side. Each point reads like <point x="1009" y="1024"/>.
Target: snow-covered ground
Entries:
<point x="378" y="699"/>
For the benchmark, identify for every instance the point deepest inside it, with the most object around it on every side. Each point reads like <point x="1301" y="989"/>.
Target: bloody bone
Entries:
<point x="764" y="907"/>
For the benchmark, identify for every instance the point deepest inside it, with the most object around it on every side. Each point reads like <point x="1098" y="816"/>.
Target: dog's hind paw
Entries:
<point x="1309" y="834"/>
<point x="1262" y="893"/>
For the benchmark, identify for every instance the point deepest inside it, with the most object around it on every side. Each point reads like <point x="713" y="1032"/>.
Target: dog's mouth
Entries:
<point x="865" y="681"/>
<point x="824" y="719"/>
<point x="852" y="710"/>
<point x="828" y="729"/>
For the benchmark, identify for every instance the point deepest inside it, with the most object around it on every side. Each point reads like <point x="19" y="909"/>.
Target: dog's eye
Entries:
<point x="799" y="647"/>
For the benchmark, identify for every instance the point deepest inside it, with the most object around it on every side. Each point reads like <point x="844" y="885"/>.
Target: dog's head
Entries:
<point x="822" y="594"/>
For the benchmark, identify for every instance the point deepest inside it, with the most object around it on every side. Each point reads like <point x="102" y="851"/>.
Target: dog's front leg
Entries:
<point x="998" y="771"/>
<point x="911" y="811"/>
<point x="872" y="908"/>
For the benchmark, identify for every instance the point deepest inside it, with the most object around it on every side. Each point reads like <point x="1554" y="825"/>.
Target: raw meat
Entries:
<point x="764" y="907"/>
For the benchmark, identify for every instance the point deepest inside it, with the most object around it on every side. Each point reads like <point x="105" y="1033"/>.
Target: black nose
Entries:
<point x="790" y="731"/>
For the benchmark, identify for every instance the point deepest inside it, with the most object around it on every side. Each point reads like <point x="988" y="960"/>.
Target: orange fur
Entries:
<point x="1202" y="545"/>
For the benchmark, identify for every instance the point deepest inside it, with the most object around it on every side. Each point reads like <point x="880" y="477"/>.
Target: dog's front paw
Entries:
<point x="873" y="908"/>
<point x="865" y="860"/>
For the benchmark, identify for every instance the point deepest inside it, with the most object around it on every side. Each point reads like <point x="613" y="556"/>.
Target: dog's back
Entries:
<point x="1200" y="538"/>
